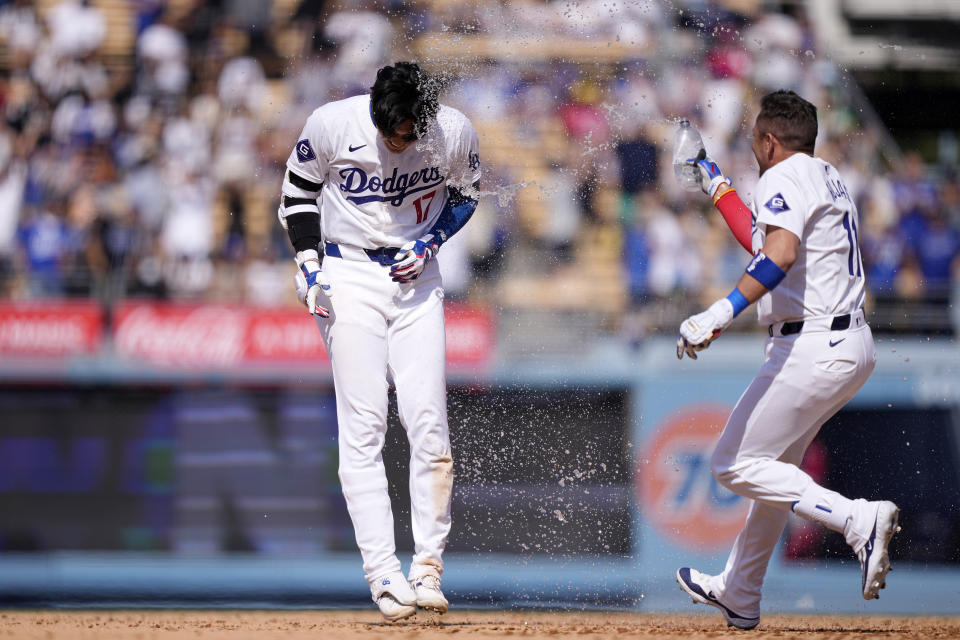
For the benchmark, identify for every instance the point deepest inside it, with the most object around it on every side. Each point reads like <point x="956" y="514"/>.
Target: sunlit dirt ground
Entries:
<point x="266" y="625"/>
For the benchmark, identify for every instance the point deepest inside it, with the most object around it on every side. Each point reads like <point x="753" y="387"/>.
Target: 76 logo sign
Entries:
<point x="422" y="205"/>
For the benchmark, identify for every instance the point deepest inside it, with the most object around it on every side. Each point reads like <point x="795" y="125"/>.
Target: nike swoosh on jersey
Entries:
<point x="354" y="148"/>
<point x="833" y="344"/>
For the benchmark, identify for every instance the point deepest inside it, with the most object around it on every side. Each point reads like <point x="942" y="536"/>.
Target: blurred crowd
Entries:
<point x="143" y="143"/>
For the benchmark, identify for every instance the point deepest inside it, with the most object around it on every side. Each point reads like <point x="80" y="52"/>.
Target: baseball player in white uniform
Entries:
<point x="373" y="188"/>
<point x="808" y="282"/>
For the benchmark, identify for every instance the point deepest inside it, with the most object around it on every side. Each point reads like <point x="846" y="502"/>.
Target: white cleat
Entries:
<point x="694" y="584"/>
<point x="428" y="593"/>
<point x="873" y="557"/>
<point x="394" y="596"/>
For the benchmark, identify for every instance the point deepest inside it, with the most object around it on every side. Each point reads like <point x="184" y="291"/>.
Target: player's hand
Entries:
<point x="311" y="283"/>
<point x="712" y="180"/>
<point x="412" y="258"/>
<point x="697" y="332"/>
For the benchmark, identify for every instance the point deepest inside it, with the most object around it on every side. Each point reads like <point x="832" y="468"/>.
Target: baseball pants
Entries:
<point x="805" y="379"/>
<point x="376" y="327"/>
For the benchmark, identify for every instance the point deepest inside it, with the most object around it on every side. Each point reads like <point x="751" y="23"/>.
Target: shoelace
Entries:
<point x="430" y="582"/>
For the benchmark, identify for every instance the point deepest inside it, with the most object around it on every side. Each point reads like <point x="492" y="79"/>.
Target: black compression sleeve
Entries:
<point x="304" y="230"/>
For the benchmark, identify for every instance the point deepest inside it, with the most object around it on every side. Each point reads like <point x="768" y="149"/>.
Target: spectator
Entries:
<point x="45" y="243"/>
<point x="13" y="178"/>
<point x="76" y="28"/>
<point x="937" y="251"/>
<point x="21" y="31"/>
<point x="363" y="38"/>
<point x="637" y="259"/>
<point x="115" y="241"/>
<point x="162" y="53"/>
<point x="668" y="247"/>
<point x="915" y="196"/>
<point x="186" y="142"/>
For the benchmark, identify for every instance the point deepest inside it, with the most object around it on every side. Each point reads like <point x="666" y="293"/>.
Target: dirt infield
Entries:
<point x="316" y="625"/>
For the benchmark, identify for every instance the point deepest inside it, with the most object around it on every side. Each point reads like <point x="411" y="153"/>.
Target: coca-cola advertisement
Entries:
<point x="213" y="336"/>
<point x="220" y="337"/>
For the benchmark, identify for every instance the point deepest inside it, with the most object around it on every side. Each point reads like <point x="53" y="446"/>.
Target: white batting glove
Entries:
<point x="413" y="258"/>
<point x="311" y="282"/>
<point x="697" y="332"/>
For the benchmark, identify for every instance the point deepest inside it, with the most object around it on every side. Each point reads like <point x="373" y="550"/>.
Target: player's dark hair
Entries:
<point x="790" y="118"/>
<point x="403" y="92"/>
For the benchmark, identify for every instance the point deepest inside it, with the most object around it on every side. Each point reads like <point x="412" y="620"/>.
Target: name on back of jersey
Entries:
<point x="836" y="188"/>
<point x="394" y="189"/>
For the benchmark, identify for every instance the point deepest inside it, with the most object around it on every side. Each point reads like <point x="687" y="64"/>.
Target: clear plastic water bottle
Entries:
<point x="687" y="144"/>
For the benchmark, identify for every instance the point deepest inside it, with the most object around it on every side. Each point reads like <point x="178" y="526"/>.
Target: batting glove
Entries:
<point x="712" y="179"/>
<point x="311" y="282"/>
<point x="697" y="332"/>
<point x="413" y="258"/>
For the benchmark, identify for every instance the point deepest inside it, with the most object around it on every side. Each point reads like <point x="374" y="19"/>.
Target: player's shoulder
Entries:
<point x="791" y="170"/>
<point x="799" y="162"/>
<point x="340" y="110"/>
<point x="452" y="120"/>
<point x="779" y="188"/>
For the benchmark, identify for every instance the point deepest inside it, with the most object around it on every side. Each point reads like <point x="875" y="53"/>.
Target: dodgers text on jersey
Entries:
<point x="394" y="189"/>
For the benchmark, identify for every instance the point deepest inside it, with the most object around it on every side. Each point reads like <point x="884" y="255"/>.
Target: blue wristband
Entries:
<point x="765" y="271"/>
<point x="738" y="300"/>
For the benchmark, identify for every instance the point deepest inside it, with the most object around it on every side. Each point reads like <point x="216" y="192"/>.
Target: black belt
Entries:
<point x="789" y="328"/>
<point x="384" y="255"/>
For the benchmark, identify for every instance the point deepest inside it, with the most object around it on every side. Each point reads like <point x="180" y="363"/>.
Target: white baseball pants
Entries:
<point x="805" y="379"/>
<point x="378" y="326"/>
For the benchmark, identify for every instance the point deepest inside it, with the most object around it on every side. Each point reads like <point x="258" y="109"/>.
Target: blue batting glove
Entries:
<point x="413" y="258"/>
<point x="711" y="177"/>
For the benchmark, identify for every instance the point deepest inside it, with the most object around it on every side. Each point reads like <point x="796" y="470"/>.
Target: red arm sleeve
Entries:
<point x="737" y="216"/>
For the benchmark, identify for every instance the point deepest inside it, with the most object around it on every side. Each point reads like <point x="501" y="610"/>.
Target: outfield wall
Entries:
<point x="579" y="481"/>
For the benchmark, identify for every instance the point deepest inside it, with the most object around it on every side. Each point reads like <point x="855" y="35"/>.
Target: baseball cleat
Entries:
<point x="429" y="595"/>
<point x="394" y="596"/>
<point x="692" y="582"/>
<point x="874" y="558"/>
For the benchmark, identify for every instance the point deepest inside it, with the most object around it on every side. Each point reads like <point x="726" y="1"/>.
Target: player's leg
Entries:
<point x="867" y="526"/>
<point x="784" y="406"/>
<point x="355" y="336"/>
<point x="785" y="409"/>
<point x="737" y="590"/>
<point x="740" y="584"/>
<point x="417" y="362"/>
<point x="361" y="420"/>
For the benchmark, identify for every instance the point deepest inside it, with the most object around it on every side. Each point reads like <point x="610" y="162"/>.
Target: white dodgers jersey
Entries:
<point x="372" y="197"/>
<point x="806" y="196"/>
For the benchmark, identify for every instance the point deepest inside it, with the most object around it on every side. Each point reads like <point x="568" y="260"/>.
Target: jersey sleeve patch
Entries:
<point x="777" y="204"/>
<point x="305" y="151"/>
